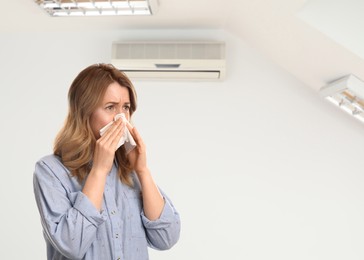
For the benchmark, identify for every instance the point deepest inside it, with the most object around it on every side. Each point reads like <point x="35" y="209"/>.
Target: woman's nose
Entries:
<point x="119" y="110"/>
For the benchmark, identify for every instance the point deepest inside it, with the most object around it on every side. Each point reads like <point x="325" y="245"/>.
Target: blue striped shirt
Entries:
<point x="74" y="229"/>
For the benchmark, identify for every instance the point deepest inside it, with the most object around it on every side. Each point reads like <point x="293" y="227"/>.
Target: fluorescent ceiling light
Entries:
<point x="98" y="7"/>
<point x="348" y="94"/>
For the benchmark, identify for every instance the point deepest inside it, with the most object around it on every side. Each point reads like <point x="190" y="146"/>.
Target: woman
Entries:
<point x="98" y="200"/>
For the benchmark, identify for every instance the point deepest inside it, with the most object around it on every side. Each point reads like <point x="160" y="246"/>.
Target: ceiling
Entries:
<point x="317" y="40"/>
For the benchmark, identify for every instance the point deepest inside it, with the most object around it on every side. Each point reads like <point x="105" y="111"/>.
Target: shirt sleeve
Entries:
<point x="69" y="219"/>
<point x="164" y="232"/>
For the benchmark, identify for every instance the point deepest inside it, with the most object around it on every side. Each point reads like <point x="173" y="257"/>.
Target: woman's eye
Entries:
<point x="126" y="108"/>
<point x="110" y="108"/>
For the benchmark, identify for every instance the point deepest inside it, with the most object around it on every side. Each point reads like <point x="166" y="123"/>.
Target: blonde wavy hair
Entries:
<point x="75" y="143"/>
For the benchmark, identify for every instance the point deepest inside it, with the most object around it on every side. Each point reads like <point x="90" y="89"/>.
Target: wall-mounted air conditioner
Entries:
<point x="170" y="60"/>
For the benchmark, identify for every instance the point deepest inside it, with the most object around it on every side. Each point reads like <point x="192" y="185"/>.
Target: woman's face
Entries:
<point x="115" y="101"/>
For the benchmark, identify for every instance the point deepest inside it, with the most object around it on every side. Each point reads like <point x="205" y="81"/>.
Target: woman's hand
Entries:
<point x="153" y="202"/>
<point x="106" y="146"/>
<point x="137" y="156"/>
<point x="103" y="160"/>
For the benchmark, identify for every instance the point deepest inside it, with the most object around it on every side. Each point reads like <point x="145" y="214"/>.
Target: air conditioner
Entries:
<point x="170" y="60"/>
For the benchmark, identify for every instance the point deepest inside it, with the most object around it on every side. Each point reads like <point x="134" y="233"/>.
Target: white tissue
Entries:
<point x="127" y="138"/>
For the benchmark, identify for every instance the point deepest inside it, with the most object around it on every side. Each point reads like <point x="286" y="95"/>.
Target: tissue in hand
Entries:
<point x="126" y="138"/>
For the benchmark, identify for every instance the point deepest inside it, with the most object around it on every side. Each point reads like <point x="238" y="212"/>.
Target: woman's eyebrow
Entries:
<point x="111" y="103"/>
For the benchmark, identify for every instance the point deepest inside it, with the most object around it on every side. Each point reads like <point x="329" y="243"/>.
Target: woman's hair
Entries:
<point x="75" y="143"/>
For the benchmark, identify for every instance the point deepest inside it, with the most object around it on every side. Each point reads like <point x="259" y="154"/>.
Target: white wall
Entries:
<point x="259" y="166"/>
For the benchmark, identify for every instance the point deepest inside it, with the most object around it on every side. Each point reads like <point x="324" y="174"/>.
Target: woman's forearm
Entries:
<point x="94" y="187"/>
<point x="153" y="201"/>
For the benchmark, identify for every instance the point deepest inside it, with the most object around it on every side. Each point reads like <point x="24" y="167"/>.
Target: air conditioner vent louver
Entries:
<point x="170" y="60"/>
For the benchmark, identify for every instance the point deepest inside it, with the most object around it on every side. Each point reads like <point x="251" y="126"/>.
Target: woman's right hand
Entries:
<point x="106" y="146"/>
<point x="103" y="159"/>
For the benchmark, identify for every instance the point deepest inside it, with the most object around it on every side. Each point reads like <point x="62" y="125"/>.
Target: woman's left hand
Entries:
<point x="153" y="201"/>
<point x="138" y="156"/>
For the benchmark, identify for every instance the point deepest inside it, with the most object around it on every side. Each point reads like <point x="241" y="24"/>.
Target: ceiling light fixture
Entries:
<point x="98" y="7"/>
<point x="348" y="94"/>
